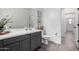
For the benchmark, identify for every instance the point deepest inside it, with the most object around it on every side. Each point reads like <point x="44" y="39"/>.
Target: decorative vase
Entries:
<point x="40" y="27"/>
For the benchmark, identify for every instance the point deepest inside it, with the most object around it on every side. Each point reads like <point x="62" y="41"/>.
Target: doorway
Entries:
<point x="70" y="25"/>
<point x="71" y="31"/>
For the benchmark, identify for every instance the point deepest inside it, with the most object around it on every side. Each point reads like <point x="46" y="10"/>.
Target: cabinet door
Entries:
<point x="12" y="47"/>
<point x="1" y="45"/>
<point x="38" y="41"/>
<point x="35" y="42"/>
<point x="25" y="45"/>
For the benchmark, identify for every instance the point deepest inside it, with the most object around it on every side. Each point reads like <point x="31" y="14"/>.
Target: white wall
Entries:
<point x="51" y="18"/>
<point x="19" y="16"/>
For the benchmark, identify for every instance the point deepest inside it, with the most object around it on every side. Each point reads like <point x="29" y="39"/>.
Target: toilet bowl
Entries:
<point x="54" y="39"/>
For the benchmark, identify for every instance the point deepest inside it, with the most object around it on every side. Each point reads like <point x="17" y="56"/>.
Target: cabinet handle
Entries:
<point x="6" y="48"/>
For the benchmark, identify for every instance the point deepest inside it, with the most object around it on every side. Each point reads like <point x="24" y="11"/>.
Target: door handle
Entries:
<point x="78" y="25"/>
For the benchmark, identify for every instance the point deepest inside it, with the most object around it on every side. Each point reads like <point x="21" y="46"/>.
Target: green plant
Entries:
<point x="3" y="22"/>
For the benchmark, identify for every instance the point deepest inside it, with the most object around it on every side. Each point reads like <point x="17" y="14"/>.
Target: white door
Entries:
<point x="76" y="28"/>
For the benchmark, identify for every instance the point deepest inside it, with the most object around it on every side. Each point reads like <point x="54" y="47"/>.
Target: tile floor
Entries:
<point x="68" y="44"/>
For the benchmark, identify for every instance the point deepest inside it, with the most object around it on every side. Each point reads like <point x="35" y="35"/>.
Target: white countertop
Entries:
<point x="17" y="32"/>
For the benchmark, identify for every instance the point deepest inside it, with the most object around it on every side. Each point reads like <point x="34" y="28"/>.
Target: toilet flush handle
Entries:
<point x="56" y="34"/>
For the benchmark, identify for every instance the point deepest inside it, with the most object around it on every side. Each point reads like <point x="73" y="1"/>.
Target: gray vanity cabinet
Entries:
<point x="26" y="42"/>
<point x="35" y="40"/>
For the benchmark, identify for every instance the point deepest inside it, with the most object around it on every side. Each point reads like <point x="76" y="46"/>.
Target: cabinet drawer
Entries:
<point x="12" y="47"/>
<point x="35" y="34"/>
<point x="14" y="39"/>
